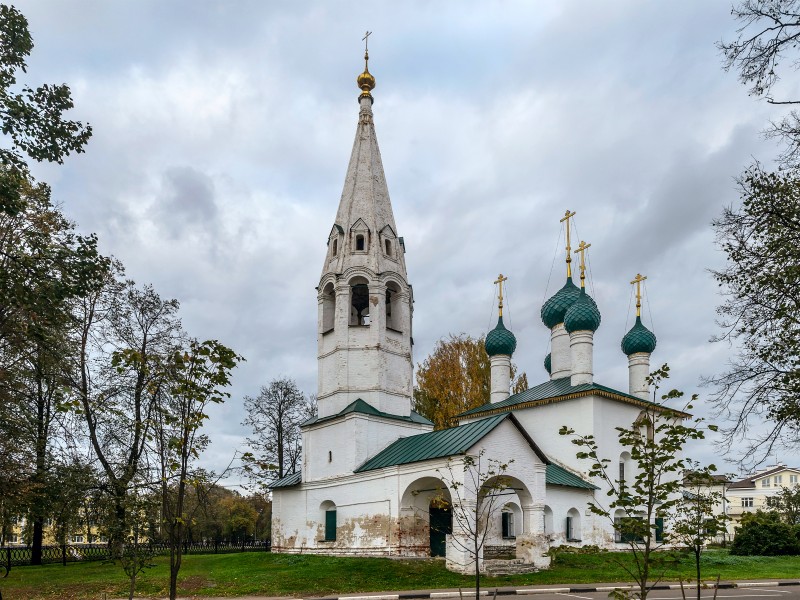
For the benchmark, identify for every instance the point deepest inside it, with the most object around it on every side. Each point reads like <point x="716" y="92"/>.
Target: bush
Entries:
<point x="764" y="534"/>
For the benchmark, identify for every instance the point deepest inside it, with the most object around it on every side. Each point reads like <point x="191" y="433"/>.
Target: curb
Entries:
<point x="553" y="590"/>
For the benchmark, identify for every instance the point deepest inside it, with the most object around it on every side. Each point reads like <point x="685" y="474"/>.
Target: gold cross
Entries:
<point x="582" y="248"/>
<point x="638" y="281"/>
<point x="500" y="280"/>
<point x="365" y="39"/>
<point x="567" y="216"/>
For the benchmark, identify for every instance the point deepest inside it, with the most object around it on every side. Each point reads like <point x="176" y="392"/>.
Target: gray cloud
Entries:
<point x="229" y="126"/>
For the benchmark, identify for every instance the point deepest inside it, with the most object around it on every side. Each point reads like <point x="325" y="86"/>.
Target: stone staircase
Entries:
<point x="507" y="567"/>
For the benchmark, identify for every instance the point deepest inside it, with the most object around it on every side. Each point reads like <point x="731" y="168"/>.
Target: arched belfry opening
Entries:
<point x="359" y="302"/>
<point x="328" y="308"/>
<point x="392" y="308"/>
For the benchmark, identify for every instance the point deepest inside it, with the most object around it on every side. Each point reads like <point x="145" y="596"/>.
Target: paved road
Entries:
<point x="761" y="590"/>
<point x="787" y="593"/>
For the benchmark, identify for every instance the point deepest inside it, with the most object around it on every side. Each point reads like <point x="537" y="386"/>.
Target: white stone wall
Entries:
<point x="386" y="511"/>
<point x="338" y="447"/>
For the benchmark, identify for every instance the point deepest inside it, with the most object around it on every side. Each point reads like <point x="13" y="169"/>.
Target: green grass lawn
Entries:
<point x="261" y="573"/>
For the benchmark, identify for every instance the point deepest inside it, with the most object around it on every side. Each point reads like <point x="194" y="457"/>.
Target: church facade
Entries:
<point x="376" y="479"/>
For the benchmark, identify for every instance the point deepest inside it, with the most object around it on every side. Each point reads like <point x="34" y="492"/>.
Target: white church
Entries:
<point x="375" y="478"/>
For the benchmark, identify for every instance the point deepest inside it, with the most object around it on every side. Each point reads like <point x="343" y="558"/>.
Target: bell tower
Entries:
<point x="364" y="299"/>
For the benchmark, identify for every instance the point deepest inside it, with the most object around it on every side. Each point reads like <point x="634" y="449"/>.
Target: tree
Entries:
<point x="787" y="504"/>
<point x="196" y="377"/>
<point x="32" y="119"/>
<point x="695" y="521"/>
<point x="275" y="416"/>
<point x="456" y="377"/>
<point x="124" y="336"/>
<point x="638" y="506"/>
<point x="769" y="31"/>
<point x="475" y="484"/>
<point x="761" y="283"/>
<point x="44" y="267"/>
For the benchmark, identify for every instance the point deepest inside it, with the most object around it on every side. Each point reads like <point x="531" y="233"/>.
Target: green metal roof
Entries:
<point x="556" y="475"/>
<point x="560" y="389"/>
<point x="359" y="406"/>
<point x="287" y="481"/>
<point x="436" y="444"/>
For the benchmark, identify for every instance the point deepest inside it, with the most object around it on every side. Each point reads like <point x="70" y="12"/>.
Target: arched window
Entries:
<point x="548" y="520"/>
<point x="573" y="525"/>
<point x="335" y="248"/>
<point x="359" y="302"/>
<point x="624" y="468"/>
<point x="328" y="308"/>
<point x="359" y="242"/>
<point x="389" y="247"/>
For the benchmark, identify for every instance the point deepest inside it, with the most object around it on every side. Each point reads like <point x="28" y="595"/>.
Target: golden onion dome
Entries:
<point x="365" y="81"/>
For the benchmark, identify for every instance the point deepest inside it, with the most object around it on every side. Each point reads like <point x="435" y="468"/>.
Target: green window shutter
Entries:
<point x="330" y="525"/>
<point x="659" y="529"/>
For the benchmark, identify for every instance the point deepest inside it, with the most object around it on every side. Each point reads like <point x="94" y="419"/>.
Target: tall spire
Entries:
<point x="365" y="208"/>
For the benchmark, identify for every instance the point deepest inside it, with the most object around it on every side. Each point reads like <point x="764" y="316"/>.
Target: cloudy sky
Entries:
<point x="222" y="131"/>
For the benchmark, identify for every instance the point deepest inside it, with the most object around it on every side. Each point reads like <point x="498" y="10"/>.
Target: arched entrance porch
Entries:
<point x="425" y="518"/>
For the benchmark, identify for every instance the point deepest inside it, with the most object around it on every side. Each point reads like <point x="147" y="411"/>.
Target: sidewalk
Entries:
<point x="519" y="591"/>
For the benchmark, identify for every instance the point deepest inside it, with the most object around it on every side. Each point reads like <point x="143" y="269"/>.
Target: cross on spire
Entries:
<point x="567" y="216"/>
<point x="499" y="282"/>
<point x="638" y="282"/>
<point x="582" y="248"/>
<point x="365" y="39"/>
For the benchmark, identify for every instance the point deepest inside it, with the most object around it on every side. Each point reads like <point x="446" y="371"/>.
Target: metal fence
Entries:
<point x="11" y="556"/>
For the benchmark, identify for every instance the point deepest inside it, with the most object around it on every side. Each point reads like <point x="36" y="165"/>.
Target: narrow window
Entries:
<point x="778" y="479"/>
<point x="508" y="525"/>
<point x="621" y="474"/>
<point x="330" y="456"/>
<point x="330" y="525"/>
<point x="569" y="528"/>
<point x="360" y="242"/>
<point x="659" y="529"/>
<point x="389" y="247"/>
<point x="335" y="247"/>
<point x="792" y="478"/>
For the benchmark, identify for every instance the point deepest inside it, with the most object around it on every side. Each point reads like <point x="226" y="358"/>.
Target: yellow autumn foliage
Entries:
<point x="456" y="377"/>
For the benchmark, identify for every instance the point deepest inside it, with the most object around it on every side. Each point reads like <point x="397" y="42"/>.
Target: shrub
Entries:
<point x="764" y="534"/>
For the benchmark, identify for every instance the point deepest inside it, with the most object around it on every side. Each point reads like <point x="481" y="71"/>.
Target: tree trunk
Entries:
<point x="36" y="544"/>
<point x="132" y="587"/>
<point x="697" y="551"/>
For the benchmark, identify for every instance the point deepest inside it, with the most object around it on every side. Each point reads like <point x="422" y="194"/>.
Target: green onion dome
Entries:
<point x="583" y="315"/>
<point x="638" y="339"/>
<point x="500" y="340"/>
<point x="556" y="307"/>
<point x="548" y="364"/>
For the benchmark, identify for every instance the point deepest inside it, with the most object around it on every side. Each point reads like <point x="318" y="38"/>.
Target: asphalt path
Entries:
<point x="789" y="593"/>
